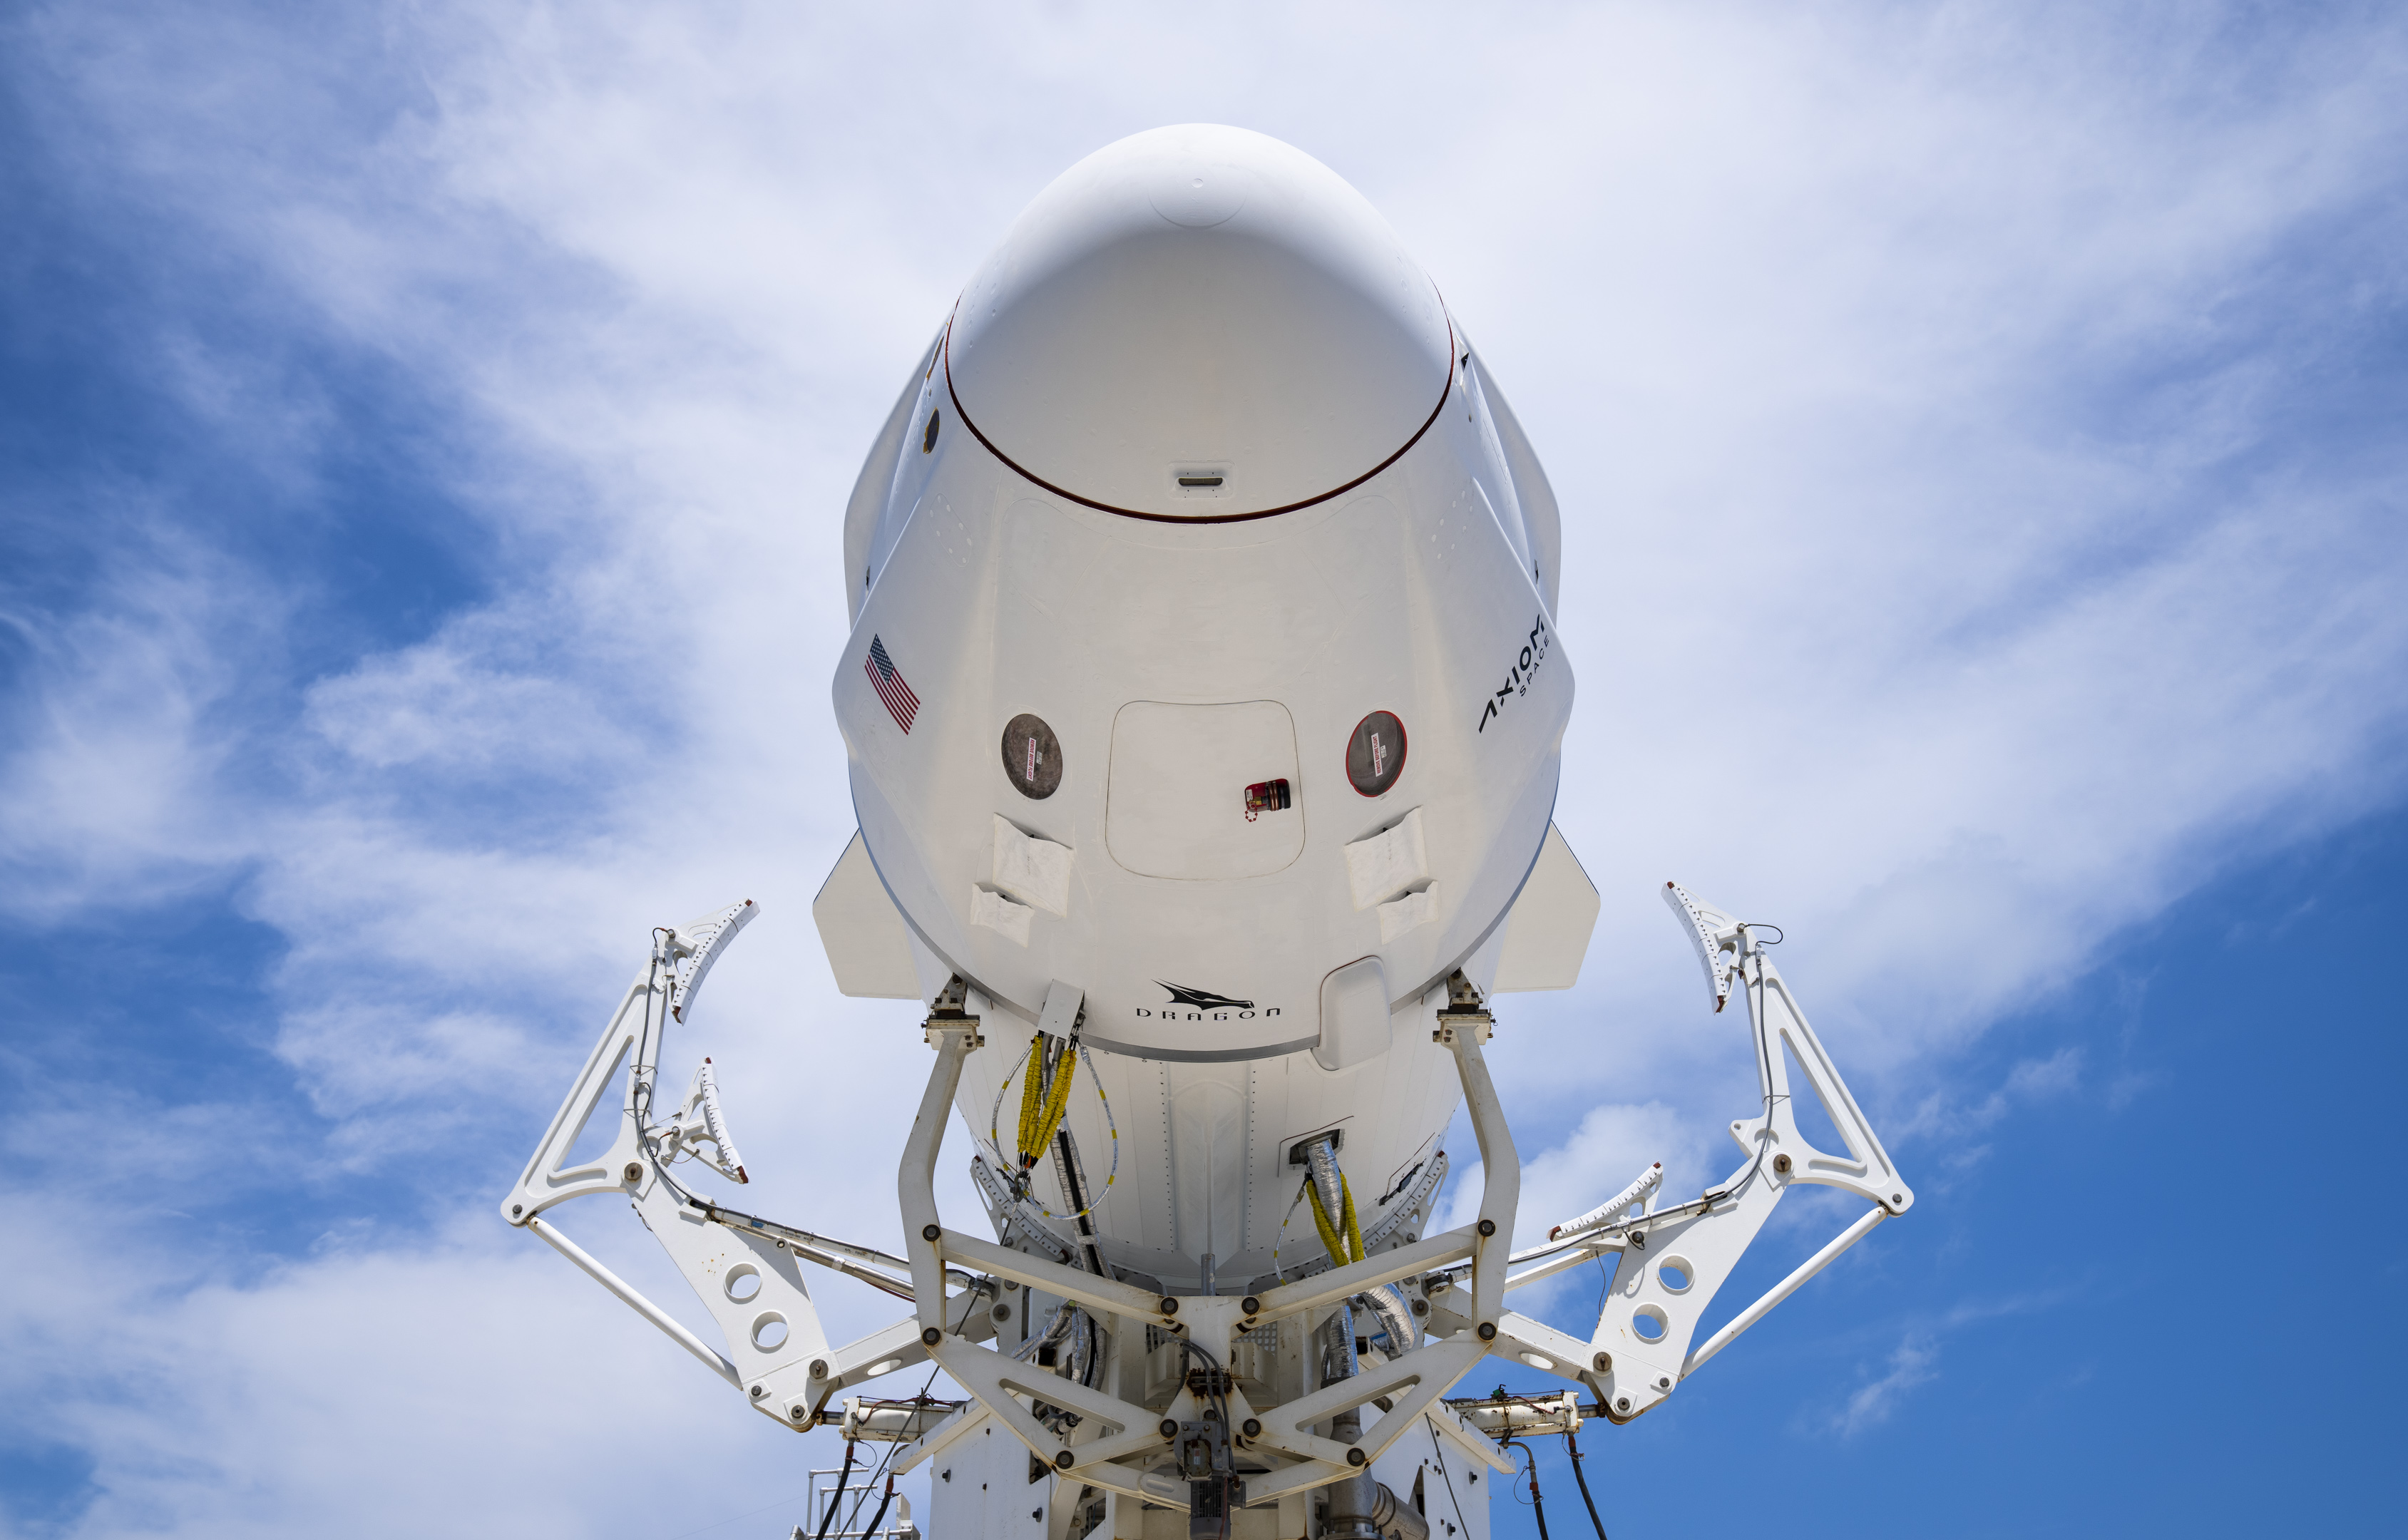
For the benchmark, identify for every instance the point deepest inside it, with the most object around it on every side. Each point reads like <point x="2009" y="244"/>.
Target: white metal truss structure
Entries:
<point x="746" y="1270"/>
<point x="1108" y="1438"/>
<point x="1673" y="1260"/>
<point x="1126" y="1435"/>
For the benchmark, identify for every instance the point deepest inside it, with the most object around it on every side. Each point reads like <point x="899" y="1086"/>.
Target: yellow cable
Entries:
<point x="1329" y="1235"/>
<point x="1042" y="1105"/>
<point x="1057" y="1102"/>
<point x="1031" y="1086"/>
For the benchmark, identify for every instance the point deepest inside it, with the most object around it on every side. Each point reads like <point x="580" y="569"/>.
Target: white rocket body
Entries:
<point x="1214" y="480"/>
<point x="1204" y="706"/>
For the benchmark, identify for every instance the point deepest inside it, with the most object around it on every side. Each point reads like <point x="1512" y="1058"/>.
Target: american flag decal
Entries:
<point x="900" y="702"/>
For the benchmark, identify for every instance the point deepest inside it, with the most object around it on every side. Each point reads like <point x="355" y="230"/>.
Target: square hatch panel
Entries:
<point x="1176" y="806"/>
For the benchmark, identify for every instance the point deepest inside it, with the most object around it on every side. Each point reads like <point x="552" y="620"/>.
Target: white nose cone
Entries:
<point x="1199" y="323"/>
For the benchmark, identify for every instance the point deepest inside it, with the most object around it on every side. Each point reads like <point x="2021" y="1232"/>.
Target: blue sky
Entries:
<point x="423" y="433"/>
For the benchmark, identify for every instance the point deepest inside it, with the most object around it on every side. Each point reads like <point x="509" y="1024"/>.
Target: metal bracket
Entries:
<point x="746" y="1274"/>
<point x="1123" y="1429"/>
<point x="1676" y="1259"/>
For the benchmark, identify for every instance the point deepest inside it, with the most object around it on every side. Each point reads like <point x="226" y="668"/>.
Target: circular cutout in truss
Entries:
<point x="1675" y="1274"/>
<point x="770" y="1331"/>
<point x="1650" y="1322"/>
<point x="743" y="1282"/>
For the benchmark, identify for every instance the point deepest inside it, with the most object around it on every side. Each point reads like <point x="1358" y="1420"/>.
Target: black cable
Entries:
<point x="925" y="1386"/>
<point x="1441" y="1453"/>
<point x="1219" y="1378"/>
<point x="1571" y="1443"/>
<point x="838" y="1501"/>
<point x="880" y="1513"/>
<point x="1069" y="1160"/>
<point x="1538" y="1504"/>
<point x="883" y="1462"/>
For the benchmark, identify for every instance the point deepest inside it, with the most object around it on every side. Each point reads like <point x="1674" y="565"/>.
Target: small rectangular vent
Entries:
<point x="1201" y="478"/>
<point x="1297" y="1151"/>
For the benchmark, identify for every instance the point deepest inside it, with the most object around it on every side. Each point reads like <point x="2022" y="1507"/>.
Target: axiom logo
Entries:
<point x="1517" y="675"/>
<point x="1203" y="1006"/>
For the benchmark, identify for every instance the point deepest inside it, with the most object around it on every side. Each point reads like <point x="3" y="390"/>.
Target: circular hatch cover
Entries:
<point x="1032" y="757"/>
<point x="1375" y="755"/>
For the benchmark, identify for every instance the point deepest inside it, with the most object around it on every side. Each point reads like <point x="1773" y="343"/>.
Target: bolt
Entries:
<point x="800" y="1412"/>
<point x="930" y="1232"/>
<point x="1622" y="1404"/>
<point x="517" y="1209"/>
<point x="1781" y="1164"/>
<point x="633" y="1173"/>
<point x="758" y="1391"/>
<point x="1488" y="1331"/>
<point x="1421" y="1307"/>
<point x="819" y="1368"/>
<point x="1252" y="1427"/>
<point x="1357" y="1456"/>
<point x="1250" y="1305"/>
<point x="1064" y="1460"/>
<point x="1664" y="1382"/>
<point x="1001" y="1312"/>
<point x="1488" y="1227"/>
<point x="1170" y="1305"/>
<point x="1170" y="1427"/>
<point x="1011" y="1285"/>
<point x="1897" y="1197"/>
<point x="1602" y="1363"/>
<point x="930" y="1337"/>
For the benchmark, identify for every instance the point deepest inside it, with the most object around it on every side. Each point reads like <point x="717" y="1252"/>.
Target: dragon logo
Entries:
<point x="1202" y="999"/>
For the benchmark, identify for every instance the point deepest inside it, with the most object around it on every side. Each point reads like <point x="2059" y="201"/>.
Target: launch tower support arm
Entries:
<point x="1673" y="1260"/>
<point x="745" y="1271"/>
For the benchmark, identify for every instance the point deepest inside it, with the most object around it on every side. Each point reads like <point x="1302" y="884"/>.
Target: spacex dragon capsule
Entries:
<point x="1204" y="707"/>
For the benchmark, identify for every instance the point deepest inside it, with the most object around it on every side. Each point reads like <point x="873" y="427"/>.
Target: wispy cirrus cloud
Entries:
<point x="1913" y="1363"/>
<point x="1978" y="531"/>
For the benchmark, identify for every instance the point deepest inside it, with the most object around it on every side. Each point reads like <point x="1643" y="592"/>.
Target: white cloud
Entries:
<point x="1602" y="1155"/>
<point x="389" y="1389"/>
<point x="1912" y="1365"/>
<point x="1945" y="1119"/>
<point x="1965" y="557"/>
<point x="106" y="794"/>
<point x="440" y="706"/>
